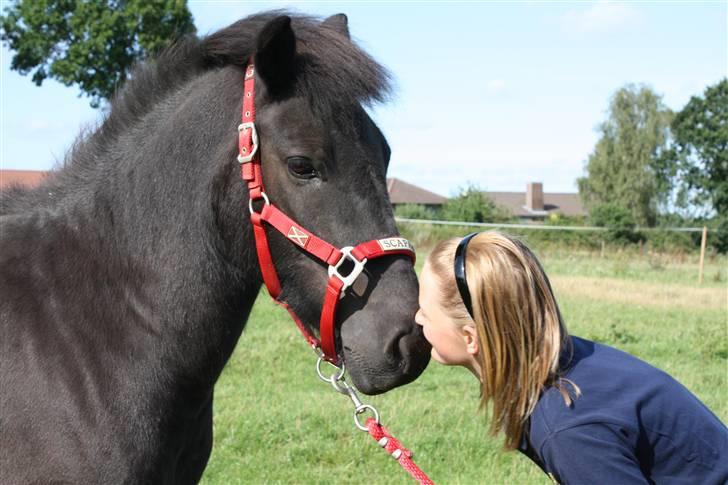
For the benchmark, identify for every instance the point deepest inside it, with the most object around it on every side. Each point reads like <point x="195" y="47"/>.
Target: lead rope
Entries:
<point x="398" y="452"/>
<point x="372" y="425"/>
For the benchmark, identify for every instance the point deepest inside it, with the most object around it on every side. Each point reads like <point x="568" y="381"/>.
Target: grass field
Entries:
<point x="276" y="422"/>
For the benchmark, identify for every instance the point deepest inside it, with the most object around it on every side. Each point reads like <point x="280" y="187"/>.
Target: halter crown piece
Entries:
<point x="338" y="283"/>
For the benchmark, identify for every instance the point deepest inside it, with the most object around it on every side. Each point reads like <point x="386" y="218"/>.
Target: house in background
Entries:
<point x="533" y="205"/>
<point x="401" y="192"/>
<point x="28" y="178"/>
<point x="536" y="205"/>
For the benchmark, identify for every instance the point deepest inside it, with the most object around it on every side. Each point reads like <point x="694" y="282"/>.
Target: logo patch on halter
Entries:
<point x="395" y="244"/>
<point x="298" y="236"/>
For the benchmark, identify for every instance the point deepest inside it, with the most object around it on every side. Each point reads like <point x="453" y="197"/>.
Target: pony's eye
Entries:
<point x="302" y="168"/>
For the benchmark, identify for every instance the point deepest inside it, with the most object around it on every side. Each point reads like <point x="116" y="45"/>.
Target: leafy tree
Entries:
<point x="719" y="235"/>
<point x="414" y="211"/>
<point x="619" y="221"/>
<point x="92" y="43"/>
<point x="627" y="166"/>
<point x="473" y="205"/>
<point x="700" y="148"/>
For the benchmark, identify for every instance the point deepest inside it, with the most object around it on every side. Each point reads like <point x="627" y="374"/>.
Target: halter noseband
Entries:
<point x="249" y="158"/>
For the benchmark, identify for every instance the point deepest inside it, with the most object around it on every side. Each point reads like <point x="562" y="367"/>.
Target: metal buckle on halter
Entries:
<point x="249" y="125"/>
<point x="349" y="279"/>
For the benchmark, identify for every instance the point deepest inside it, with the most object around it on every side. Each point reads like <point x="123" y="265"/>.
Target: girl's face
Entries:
<point x="451" y="344"/>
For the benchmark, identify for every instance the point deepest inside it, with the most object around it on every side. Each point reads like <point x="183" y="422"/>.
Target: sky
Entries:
<point x="494" y="94"/>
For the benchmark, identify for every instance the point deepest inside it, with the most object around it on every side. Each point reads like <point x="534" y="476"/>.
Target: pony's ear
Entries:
<point x="339" y="23"/>
<point x="276" y="48"/>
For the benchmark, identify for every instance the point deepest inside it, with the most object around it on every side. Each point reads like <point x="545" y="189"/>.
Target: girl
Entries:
<point x="582" y="411"/>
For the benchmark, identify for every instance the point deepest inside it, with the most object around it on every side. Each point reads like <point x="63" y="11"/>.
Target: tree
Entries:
<point x="619" y="222"/>
<point x="627" y="166"/>
<point x="472" y="205"/>
<point x="700" y="148"/>
<point x="92" y="43"/>
<point x="415" y="211"/>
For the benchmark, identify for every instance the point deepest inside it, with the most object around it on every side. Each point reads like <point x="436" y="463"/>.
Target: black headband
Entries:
<point x="460" y="277"/>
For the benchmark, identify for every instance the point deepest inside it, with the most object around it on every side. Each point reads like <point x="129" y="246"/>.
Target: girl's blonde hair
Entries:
<point x="519" y="325"/>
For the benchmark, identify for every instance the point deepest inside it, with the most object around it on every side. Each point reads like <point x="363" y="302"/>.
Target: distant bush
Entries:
<point x="427" y="235"/>
<point x="719" y="240"/>
<point x="473" y="205"/>
<point x="620" y="223"/>
<point x="415" y="211"/>
<point x="556" y="219"/>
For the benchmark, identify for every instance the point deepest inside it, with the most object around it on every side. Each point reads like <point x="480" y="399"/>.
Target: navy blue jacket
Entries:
<point x="633" y="423"/>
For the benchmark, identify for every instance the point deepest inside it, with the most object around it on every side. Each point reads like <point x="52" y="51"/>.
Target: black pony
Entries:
<point x="129" y="274"/>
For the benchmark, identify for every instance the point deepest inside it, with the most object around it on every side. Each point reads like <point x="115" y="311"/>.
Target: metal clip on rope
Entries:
<point x="338" y="382"/>
<point x="372" y="425"/>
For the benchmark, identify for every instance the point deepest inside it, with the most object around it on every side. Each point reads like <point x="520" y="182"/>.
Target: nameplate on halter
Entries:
<point x="395" y="244"/>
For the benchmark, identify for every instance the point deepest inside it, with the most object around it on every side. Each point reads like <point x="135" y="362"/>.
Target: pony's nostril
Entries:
<point x="395" y="351"/>
<point x="404" y="350"/>
<point x="414" y="351"/>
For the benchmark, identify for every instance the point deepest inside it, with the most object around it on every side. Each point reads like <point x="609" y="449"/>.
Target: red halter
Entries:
<point x="249" y="158"/>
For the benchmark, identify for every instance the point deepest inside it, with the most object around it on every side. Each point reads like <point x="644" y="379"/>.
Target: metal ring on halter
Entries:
<point x="336" y="376"/>
<point x="359" y="410"/>
<point x="250" y="202"/>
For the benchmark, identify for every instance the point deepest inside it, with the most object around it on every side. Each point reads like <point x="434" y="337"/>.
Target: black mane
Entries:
<point x="330" y="67"/>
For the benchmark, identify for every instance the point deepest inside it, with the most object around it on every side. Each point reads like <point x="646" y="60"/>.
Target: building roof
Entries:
<point x="29" y="178"/>
<point x="568" y="204"/>
<point x="400" y="192"/>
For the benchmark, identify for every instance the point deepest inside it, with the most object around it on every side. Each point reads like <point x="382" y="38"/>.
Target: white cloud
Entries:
<point x="495" y="85"/>
<point x="36" y="124"/>
<point x="602" y="16"/>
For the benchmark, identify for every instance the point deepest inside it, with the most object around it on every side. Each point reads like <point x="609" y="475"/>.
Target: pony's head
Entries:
<point x="324" y="163"/>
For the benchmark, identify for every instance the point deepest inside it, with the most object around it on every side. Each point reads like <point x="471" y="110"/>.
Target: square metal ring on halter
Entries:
<point x="349" y="279"/>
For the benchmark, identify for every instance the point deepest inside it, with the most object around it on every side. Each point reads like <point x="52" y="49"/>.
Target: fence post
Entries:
<point x="703" y="243"/>
<point x="601" y="255"/>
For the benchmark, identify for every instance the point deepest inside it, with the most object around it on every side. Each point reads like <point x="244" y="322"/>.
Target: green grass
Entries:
<point x="276" y="422"/>
<point x="629" y="265"/>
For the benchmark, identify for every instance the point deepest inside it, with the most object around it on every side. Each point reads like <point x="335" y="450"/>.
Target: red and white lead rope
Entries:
<point x="252" y="174"/>
<point x="398" y="452"/>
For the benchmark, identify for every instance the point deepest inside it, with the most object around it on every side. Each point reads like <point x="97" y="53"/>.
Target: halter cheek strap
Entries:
<point x="270" y="215"/>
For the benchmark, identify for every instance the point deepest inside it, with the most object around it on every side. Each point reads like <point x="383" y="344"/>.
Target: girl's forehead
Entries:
<point x="428" y="282"/>
<point x="426" y="273"/>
